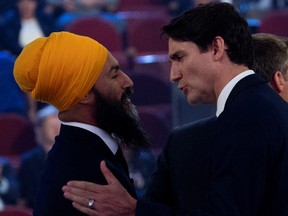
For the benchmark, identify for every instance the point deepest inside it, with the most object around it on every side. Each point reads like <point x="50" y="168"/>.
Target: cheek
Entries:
<point x="284" y="93"/>
<point x="116" y="93"/>
<point x="113" y="96"/>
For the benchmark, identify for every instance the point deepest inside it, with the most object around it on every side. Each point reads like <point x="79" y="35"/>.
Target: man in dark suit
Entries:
<point x="85" y="83"/>
<point x="241" y="168"/>
<point x="173" y="184"/>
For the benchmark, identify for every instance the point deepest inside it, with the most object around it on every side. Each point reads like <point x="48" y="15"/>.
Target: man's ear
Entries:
<point x="277" y="82"/>
<point x="218" y="46"/>
<point x="88" y="98"/>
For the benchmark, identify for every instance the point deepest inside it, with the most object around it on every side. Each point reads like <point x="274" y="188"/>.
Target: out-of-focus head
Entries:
<point x="60" y="69"/>
<point x="271" y="55"/>
<point x="271" y="61"/>
<point x="47" y="127"/>
<point x="27" y="8"/>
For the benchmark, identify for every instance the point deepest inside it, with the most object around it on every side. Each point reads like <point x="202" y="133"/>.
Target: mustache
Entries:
<point x="127" y="94"/>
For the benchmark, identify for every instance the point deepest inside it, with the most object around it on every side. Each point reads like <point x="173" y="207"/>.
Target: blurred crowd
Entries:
<point x="22" y="21"/>
<point x="19" y="184"/>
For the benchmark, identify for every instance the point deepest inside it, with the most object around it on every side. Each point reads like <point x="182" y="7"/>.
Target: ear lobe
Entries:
<point x="218" y="48"/>
<point x="88" y="98"/>
<point x="278" y="81"/>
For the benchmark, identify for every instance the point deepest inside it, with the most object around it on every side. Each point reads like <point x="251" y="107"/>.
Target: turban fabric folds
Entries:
<point x="60" y="69"/>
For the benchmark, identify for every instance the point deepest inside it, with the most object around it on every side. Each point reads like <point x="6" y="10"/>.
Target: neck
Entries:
<point x="225" y="76"/>
<point x="78" y="113"/>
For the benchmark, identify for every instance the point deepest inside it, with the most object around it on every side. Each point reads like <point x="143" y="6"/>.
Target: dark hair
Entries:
<point x="202" y="24"/>
<point x="271" y="55"/>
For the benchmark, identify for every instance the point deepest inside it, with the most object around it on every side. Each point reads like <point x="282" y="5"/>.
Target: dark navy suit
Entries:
<point x="238" y="163"/>
<point x="76" y="155"/>
<point x="173" y="183"/>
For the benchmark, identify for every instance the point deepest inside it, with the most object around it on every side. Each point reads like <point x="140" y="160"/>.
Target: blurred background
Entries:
<point x="130" y="29"/>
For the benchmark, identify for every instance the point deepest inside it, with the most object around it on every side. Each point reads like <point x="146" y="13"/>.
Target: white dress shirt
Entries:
<point x="30" y="30"/>
<point x="227" y="90"/>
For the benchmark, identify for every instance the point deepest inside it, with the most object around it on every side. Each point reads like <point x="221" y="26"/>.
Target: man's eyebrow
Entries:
<point x="113" y="68"/>
<point x="174" y="55"/>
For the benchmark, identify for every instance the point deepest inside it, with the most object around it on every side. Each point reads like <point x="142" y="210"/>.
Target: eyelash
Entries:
<point x="115" y="76"/>
<point x="178" y="58"/>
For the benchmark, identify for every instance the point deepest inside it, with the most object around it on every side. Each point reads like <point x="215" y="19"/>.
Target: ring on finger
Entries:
<point x="90" y="203"/>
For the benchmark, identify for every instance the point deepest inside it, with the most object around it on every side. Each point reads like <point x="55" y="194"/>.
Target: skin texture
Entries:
<point x="201" y="82"/>
<point x="113" y="82"/>
<point x="77" y="191"/>
<point x="190" y="73"/>
<point x="280" y="84"/>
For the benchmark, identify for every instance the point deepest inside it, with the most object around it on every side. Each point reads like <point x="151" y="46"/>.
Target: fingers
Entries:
<point x="109" y="199"/>
<point x="82" y="203"/>
<point x="76" y="198"/>
<point x="110" y="178"/>
<point x="83" y="185"/>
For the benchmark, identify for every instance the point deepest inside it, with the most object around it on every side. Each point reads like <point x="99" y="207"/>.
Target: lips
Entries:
<point x="184" y="90"/>
<point x="126" y="102"/>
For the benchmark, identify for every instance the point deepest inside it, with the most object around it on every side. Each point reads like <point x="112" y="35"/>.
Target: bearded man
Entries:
<point x="83" y="80"/>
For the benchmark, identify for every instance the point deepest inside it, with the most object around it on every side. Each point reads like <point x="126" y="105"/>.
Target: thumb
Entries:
<point x="110" y="178"/>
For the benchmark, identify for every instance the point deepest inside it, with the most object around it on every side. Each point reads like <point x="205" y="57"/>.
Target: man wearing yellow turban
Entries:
<point x="83" y="80"/>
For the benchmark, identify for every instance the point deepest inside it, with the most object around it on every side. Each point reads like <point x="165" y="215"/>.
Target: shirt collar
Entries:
<point x="107" y="138"/>
<point x="227" y="90"/>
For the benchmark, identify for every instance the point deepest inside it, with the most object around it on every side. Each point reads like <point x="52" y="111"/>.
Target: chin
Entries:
<point x="193" y="101"/>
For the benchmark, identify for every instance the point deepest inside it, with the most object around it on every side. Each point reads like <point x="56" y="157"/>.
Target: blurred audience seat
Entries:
<point x="157" y="124"/>
<point x="12" y="210"/>
<point x="133" y="5"/>
<point x="102" y="31"/>
<point x="275" y="22"/>
<point x="144" y="43"/>
<point x="98" y="29"/>
<point x="150" y="90"/>
<point x="154" y="65"/>
<point x="16" y="135"/>
<point x="152" y="97"/>
<point x="144" y="36"/>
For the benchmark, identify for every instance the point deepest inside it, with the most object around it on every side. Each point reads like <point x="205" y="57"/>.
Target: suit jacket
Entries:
<point x="246" y="154"/>
<point x="173" y="183"/>
<point x="76" y="155"/>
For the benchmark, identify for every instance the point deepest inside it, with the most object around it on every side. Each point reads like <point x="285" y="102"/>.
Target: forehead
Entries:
<point x="177" y="47"/>
<point x="110" y="64"/>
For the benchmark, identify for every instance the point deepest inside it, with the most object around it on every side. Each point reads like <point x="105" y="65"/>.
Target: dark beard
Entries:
<point x="121" y="120"/>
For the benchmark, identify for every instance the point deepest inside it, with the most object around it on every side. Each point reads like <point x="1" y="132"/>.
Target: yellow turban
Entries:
<point x="60" y="69"/>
